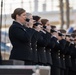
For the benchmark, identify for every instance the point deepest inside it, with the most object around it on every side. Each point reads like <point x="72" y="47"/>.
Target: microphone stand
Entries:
<point x="0" y="30"/>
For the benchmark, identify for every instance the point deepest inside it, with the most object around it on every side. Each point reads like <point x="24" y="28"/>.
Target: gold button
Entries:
<point x="58" y="53"/>
<point x="69" y="56"/>
<point x="36" y="49"/>
<point x="31" y="48"/>
<point x="30" y="43"/>
<point x="63" y="56"/>
<point x="44" y="50"/>
<point x="49" y="53"/>
<point x="58" y="57"/>
<point x="58" y="50"/>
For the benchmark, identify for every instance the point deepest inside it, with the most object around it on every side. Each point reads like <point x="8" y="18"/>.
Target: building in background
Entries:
<point x="49" y="9"/>
<point x="45" y="8"/>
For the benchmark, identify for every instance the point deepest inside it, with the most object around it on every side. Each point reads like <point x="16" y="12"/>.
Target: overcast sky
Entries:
<point x="28" y="5"/>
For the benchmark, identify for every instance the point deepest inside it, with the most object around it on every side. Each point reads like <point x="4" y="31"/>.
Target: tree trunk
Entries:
<point x="67" y="14"/>
<point x="61" y="13"/>
<point x="0" y="30"/>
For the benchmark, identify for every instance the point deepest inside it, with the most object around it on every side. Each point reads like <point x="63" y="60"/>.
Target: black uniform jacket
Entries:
<point x="20" y="38"/>
<point x="73" y="56"/>
<point x="41" y="44"/>
<point x="48" y="48"/>
<point x="34" y="40"/>
<point x="62" y="53"/>
<point x="55" y="52"/>
<point x="0" y="59"/>
<point x="68" y="55"/>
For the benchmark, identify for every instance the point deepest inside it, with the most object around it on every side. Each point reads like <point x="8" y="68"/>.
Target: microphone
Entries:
<point x="52" y="31"/>
<point x="37" y="23"/>
<point x="27" y="20"/>
<point x="44" y="27"/>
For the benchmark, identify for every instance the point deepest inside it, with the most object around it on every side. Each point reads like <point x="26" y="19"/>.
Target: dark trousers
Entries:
<point x="55" y="70"/>
<point x="0" y="59"/>
<point x="71" y="72"/>
<point x="27" y="62"/>
<point x="66" y="72"/>
<point x="44" y="64"/>
<point x="34" y="63"/>
<point x="62" y="72"/>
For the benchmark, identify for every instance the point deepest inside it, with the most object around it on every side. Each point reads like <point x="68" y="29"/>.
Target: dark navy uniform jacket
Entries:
<point x="20" y="38"/>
